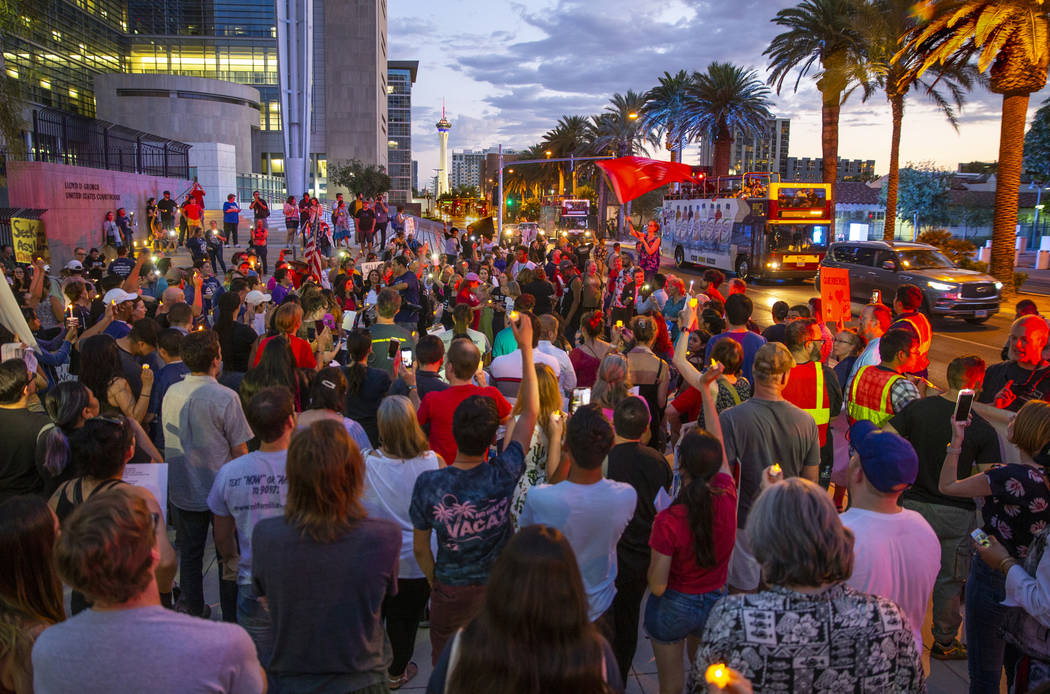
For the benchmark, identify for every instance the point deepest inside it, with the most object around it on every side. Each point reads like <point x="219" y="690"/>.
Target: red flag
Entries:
<point x="630" y="177"/>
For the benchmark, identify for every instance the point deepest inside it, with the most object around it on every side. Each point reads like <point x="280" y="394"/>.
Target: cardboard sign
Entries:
<point x="834" y="295"/>
<point x="366" y="268"/>
<point x="24" y="234"/>
<point x="152" y="476"/>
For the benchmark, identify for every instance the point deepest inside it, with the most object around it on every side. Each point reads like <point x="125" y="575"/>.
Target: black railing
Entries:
<point x="65" y="138"/>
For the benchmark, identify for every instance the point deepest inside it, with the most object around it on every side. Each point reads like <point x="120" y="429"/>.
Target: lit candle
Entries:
<point x="775" y="469"/>
<point x="718" y="675"/>
<point x="692" y="303"/>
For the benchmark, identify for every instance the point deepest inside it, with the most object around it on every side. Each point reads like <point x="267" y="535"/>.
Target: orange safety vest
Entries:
<point x="869" y="396"/>
<point x="920" y="324"/>
<point x="805" y="389"/>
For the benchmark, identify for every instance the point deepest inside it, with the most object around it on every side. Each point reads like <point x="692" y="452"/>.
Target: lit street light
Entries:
<point x="633" y="115"/>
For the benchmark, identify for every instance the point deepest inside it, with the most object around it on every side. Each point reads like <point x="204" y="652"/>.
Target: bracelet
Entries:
<point x="411" y="388"/>
<point x="952" y="451"/>
<point x="1005" y="564"/>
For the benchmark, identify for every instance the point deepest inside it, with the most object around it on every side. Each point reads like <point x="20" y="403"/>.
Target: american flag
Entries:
<point x="313" y="256"/>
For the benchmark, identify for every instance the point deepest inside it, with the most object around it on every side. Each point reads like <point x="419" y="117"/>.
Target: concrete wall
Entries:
<point x="189" y="109"/>
<point x="355" y="66"/>
<point x="77" y="198"/>
<point x="216" y="171"/>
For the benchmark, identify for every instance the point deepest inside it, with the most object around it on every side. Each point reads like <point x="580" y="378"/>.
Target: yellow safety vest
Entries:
<point x="870" y="398"/>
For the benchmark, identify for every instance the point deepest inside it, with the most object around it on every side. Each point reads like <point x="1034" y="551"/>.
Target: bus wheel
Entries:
<point x="679" y="257"/>
<point x="743" y="268"/>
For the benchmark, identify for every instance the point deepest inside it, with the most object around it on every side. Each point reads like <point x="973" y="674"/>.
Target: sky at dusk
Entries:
<point x="509" y="70"/>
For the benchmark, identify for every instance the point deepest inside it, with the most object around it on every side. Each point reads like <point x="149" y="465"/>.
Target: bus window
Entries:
<point x="796" y="238"/>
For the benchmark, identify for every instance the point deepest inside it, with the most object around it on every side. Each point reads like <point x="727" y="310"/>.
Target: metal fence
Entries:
<point x="65" y="138"/>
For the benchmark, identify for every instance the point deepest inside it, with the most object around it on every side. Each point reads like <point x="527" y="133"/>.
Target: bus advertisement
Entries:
<point x="772" y="231"/>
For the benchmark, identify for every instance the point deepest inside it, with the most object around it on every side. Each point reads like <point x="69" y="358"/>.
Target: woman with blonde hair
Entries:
<point x="544" y="453"/>
<point x="612" y="384"/>
<point x="1013" y="500"/>
<point x="806" y="555"/>
<point x="390" y="474"/>
<point x="326" y="562"/>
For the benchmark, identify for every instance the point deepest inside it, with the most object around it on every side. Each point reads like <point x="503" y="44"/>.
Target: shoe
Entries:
<point x="397" y="682"/>
<point x="953" y="651"/>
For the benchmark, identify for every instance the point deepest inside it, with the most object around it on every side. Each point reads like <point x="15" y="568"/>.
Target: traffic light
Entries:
<point x="510" y="202"/>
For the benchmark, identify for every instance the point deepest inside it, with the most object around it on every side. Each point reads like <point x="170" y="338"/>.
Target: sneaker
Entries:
<point x="953" y="651"/>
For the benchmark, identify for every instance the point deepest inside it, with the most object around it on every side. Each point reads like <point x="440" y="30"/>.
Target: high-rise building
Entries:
<point x="56" y="55"/>
<point x="466" y="168"/>
<point x="811" y="170"/>
<point x="415" y="175"/>
<point x="401" y="74"/>
<point x="748" y="153"/>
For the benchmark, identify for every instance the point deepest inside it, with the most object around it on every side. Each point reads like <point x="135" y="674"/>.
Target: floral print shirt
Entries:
<point x="1018" y="508"/>
<point x="837" y="641"/>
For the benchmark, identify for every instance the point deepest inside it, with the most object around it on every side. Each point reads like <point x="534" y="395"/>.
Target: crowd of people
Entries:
<point x="535" y="452"/>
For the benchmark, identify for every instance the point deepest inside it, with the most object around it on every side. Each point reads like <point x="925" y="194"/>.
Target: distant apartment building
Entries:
<point x="401" y="74"/>
<point x="768" y="152"/>
<point x="466" y="168"/>
<point x="811" y="170"/>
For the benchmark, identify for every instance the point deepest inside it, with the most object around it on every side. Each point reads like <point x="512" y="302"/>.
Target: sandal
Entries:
<point x="397" y="682"/>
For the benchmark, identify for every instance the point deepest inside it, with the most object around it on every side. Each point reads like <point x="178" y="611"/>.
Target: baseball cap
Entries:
<point x="889" y="460"/>
<point x="75" y="266"/>
<point x="772" y="359"/>
<point x="472" y="277"/>
<point x="118" y="296"/>
<point x="255" y="297"/>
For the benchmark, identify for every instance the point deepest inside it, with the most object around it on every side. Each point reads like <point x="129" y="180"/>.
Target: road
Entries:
<point x="951" y="339"/>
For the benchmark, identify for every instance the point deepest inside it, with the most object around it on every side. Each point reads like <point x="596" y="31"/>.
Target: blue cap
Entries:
<point x="888" y="460"/>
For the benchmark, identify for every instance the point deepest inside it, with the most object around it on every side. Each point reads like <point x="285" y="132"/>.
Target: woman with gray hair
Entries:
<point x="808" y="631"/>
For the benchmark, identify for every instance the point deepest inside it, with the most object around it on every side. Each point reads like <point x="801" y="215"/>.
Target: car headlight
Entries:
<point x="941" y="286"/>
<point x="998" y="286"/>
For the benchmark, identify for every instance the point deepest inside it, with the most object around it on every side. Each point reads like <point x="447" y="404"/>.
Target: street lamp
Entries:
<point x="548" y="153"/>
<point x="633" y="115"/>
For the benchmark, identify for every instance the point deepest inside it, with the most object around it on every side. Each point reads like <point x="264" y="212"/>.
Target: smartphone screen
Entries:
<point x="980" y="537"/>
<point x="876" y="296"/>
<point x="391" y="351"/>
<point x="406" y="358"/>
<point x="963" y="405"/>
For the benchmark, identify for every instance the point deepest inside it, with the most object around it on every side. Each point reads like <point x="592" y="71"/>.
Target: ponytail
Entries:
<point x="57" y="453"/>
<point x="700" y="455"/>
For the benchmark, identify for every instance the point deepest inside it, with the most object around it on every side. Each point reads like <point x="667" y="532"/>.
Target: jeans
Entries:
<point x="988" y="653"/>
<point x="254" y="616"/>
<point x="260" y="251"/>
<point x="953" y="526"/>
<point x="451" y="608"/>
<point x="229" y="230"/>
<point x="402" y="613"/>
<point x="671" y="617"/>
<point x="215" y="254"/>
<point x="631" y="583"/>
<point x="191" y="536"/>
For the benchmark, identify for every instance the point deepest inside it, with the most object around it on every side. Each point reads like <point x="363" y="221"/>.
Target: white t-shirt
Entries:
<point x="388" y="494"/>
<point x="592" y="517"/>
<point x="250" y="489"/>
<point x="506" y="371"/>
<point x="896" y="556"/>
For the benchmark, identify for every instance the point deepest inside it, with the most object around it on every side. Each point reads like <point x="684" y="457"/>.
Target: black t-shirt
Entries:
<point x="18" y="431"/>
<point x="365" y="220"/>
<point x="1027" y="384"/>
<point x="167" y="209"/>
<point x="926" y="423"/>
<point x="776" y="333"/>
<point x="236" y="347"/>
<point x="543" y="290"/>
<point x="647" y="471"/>
<point x="363" y="406"/>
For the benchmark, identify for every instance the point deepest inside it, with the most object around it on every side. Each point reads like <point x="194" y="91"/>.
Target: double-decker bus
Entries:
<point x="754" y="225"/>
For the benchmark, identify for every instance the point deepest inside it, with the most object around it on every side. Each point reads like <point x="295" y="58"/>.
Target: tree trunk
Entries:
<point x="893" y="179"/>
<point x="723" y="143"/>
<point x="829" y="142"/>
<point x="1007" y="181"/>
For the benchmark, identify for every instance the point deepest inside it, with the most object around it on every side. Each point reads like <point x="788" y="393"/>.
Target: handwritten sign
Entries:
<point x="834" y="295"/>
<point x="152" y="476"/>
<point x="24" y="233"/>
<point x="366" y="268"/>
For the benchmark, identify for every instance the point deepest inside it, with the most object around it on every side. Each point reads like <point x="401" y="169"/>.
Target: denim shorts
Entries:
<point x="671" y="617"/>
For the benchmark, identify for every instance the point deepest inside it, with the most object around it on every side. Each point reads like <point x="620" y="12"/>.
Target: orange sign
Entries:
<point x="834" y="295"/>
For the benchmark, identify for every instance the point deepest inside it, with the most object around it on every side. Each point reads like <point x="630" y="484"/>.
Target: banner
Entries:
<point x="24" y="233"/>
<point x="152" y="476"/>
<point x="834" y="295"/>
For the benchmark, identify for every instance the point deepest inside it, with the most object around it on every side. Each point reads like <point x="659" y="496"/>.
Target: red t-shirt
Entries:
<point x="465" y="296"/>
<point x="688" y="404"/>
<point x="673" y="537"/>
<point x="437" y="409"/>
<point x="192" y="210"/>
<point x="304" y="354"/>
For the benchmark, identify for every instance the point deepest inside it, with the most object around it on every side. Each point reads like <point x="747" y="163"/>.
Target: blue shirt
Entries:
<point x="408" y="296"/>
<point x="122" y="266"/>
<point x="117" y="329"/>
<point x="748" y="340"/>
<point x="162" y="380"/>
<point x="469" y="510"/>
<point x="198" y="248"/>
<point x="211" y="290"/>
<point x="231" y="213"/>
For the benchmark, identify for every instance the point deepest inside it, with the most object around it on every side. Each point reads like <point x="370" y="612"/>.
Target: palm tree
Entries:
<point x="896" y="72"/>
<point x="1010" y="39"/>
<point x="666" y="110"/>
<point x="569" y="136"/>
<point x="824" y="32"/>
<point x="724" y="100"/>
<point x="618" y="130"/>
